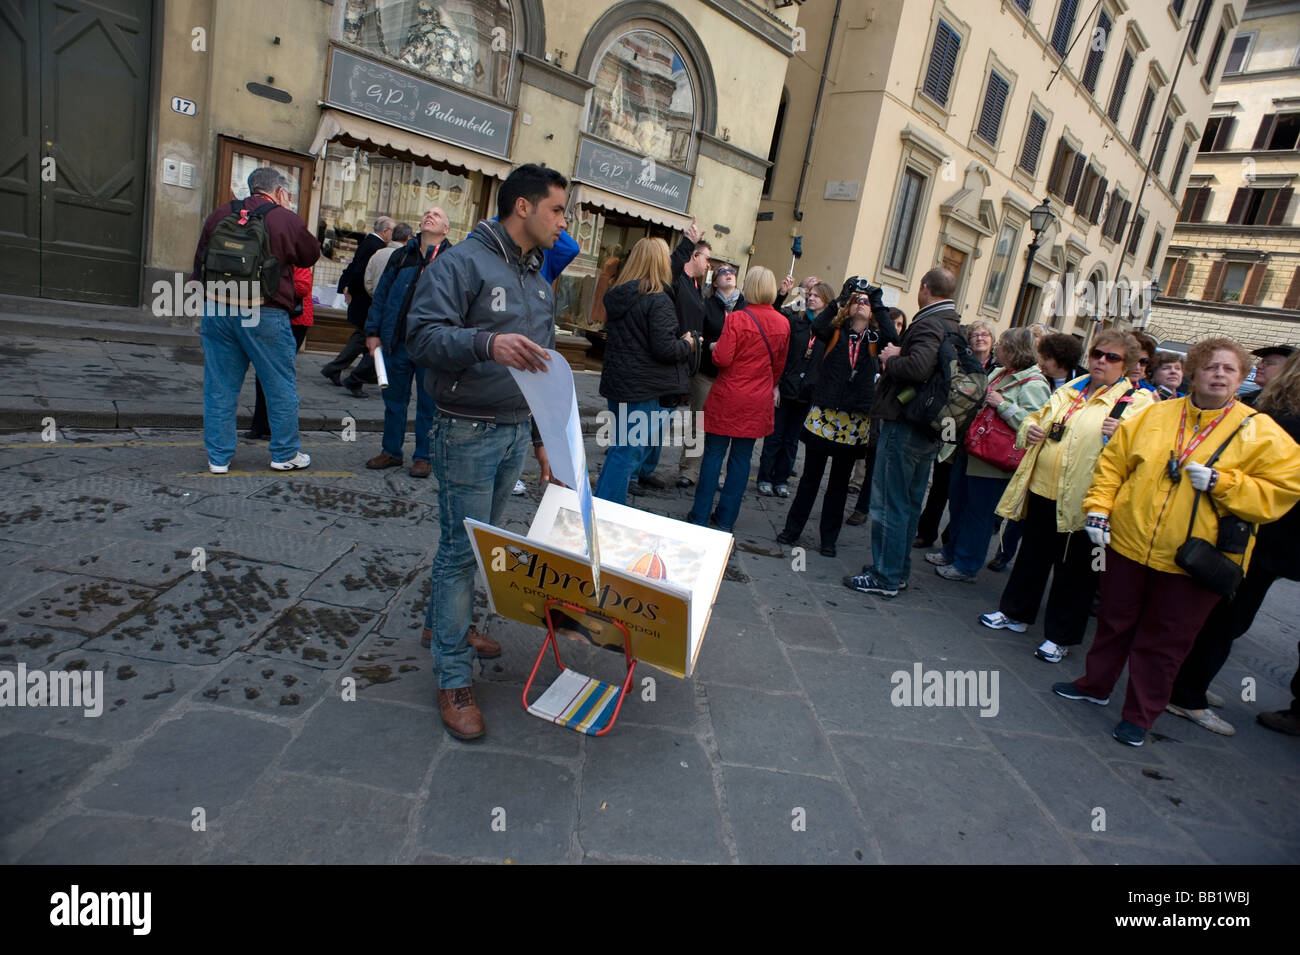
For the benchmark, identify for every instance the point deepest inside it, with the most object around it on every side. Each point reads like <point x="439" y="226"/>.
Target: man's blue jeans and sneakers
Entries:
<point x="230" y="343"/>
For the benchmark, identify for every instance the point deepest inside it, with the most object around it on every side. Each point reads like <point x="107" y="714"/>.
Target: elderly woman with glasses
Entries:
<point x="1064" y="438"/>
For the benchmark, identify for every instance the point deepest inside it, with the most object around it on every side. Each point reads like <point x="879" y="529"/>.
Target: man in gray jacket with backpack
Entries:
<point x="479" y="309"/>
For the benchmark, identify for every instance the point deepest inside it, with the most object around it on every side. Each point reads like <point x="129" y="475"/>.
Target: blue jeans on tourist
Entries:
<point x="733" y="492"/>
<point x="903" y="459"/>
<point x="397" y="399"/>
<point x="477" y="464"/>
<point x="635" y="421"/>
<point x="230" y="343"/>
<point x="971" y="501"/>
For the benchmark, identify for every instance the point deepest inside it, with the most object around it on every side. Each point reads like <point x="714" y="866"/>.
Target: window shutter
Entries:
<point x="1144" y="116"/>
<point x="1033" y="142"/>
<point x="943" y="61"/>
<point x="1198" y="206"/>
<point x="1198" y="25"/>
<point x="1121" y="86"/>
<point x="1265" y="130"/>
<point x="1214" y="284"/>
<point x="1155" y="250"/>
<point x="1098" y="201"/>
<point x="1254" y="279"/>
<point x="1023" y="5"/>
<point x="1238" y="210"/>
<point x="1224" y="134"/>
<point x="1176" y="276"/>
<point x="1213" y="61"/>
<point x="1123" y="220"/>
<point x="1292" y="299"/>
<point x="1084" y="199"/>
<point x="1278" y="215"/>
<point x="1076" y="174"/>
<point x="1135" y="238"/>
<point x="1064" y="24"/>
<point x="1063" y="154"/>
<point x="1162" y="143"/>
<point x="1093" y="65"/>
<point x="1183" y="152"/>
<point x="995" y="98"/>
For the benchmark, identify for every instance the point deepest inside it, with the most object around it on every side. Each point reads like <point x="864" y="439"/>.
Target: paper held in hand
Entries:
<point x="381" y="370"/>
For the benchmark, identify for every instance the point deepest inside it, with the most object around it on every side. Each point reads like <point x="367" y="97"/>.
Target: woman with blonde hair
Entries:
<point x="644" y="359"/>
<point x="1277" y="554"/>
<point x="749" y="355"/>
<point x="1170" y="556"/>
<point x="1064" y="438"/>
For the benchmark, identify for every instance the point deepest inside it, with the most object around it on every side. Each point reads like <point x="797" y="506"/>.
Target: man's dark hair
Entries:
<point x="1065" y="350"/>
<point x="702" y="245"/>
<point x="529" y="181"/>
<point x="402" y="232"/>
<point x="940" y="282"/>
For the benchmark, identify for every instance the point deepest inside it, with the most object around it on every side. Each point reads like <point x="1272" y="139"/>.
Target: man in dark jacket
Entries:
<point x="480" y="309"/>
<point x="353" y="282"/>
<point x="386" y="326"/>
<point x="904" y="453"/>
<point x="724" y="298"/>
<point x="229" y="344"/>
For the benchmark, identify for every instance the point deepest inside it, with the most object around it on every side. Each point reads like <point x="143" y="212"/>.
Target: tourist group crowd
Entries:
<point x="1123" y="482"/>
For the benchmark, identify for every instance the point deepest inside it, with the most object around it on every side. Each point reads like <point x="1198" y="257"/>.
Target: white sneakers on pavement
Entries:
<point x="298" y="462"/>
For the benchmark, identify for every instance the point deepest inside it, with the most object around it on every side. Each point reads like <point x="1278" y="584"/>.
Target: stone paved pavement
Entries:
<point x="223" y="692"/>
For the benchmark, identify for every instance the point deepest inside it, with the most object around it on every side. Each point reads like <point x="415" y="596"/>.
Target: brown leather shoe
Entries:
<point x="483" y="645"/>
<point x="460" y="714"/>
<point x="383" y="460"/>
<point x="420" y="469"/>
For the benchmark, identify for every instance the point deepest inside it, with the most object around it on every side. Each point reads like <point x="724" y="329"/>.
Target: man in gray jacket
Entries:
<point x="479" y="309"/>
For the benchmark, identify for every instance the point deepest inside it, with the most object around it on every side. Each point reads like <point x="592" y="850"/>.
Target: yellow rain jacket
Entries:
<point x="1079" y="448"/>
<point x="1259" y="480"/>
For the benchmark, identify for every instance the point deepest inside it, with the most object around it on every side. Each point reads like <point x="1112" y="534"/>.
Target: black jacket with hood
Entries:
<point x="645" y="358"/>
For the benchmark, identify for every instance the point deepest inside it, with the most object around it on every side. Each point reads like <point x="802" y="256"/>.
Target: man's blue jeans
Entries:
<point x="733" y="492"/>
<point x="624" y="461"/>
<point x="903" y="459"/>
<point x="971" y="501"/>
<point x="397" y="398"/>
<point x="228" y="346"/>
<point x="477" y="464"/>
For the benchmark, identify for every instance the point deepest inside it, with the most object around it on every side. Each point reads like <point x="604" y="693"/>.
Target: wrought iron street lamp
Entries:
<point x="1039" y="219"/>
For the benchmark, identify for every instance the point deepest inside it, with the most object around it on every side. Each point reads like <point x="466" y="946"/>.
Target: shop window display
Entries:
<point x="466" y="42"/>
<point x="643" y="99"/>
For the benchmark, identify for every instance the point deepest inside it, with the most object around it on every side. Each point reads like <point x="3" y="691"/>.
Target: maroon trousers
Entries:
<point x="1148" y="619"/>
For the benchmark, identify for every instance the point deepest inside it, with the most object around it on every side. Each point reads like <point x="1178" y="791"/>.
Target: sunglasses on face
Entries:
<point x="1144" y="361"/>
<point x="1110" y="356"/>
<point x="860" y="300"/>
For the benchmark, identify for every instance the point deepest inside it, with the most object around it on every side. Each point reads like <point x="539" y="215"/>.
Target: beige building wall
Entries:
<point x="1199" y="297"/>
<point x="875" y="120"/>
<point x="240" y="48"/>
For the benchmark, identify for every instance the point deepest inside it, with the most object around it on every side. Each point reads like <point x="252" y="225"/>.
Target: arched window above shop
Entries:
<point x="644" y="98"/>
<point x="467" y="42"/>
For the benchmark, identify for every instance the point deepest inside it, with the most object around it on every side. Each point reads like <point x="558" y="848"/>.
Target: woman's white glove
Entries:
<point x="1097" y="526"/>
<point x="1202" y="478"/>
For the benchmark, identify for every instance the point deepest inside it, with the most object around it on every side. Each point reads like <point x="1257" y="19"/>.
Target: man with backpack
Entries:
<point x="255" y="243"/>
<point x="386" y="326"/>
<point x="908" y="443"/>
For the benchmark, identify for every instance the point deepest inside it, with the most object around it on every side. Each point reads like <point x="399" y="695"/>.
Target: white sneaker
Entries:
<point x="1050" y="652"/>
<point x="520" y="489"/>
<point x="1000" y="621"/>
<point x="765" y="488"/>
<point x="936" y="557"/>
<point x="299" y="462"/>
<point x="218" y="468"/>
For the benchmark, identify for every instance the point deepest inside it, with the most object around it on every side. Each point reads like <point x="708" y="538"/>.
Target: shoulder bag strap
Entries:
<point x="761" y="332"/>
<point x="1209" y="463"/>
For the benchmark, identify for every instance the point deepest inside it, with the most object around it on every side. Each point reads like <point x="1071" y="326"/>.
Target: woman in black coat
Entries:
<point x="1276" y="554"/>
<point x="836" y="428"/>
<point x="644" y="359"/>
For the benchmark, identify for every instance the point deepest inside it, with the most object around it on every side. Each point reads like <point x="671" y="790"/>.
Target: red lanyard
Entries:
<point x="855" y="342"/>
<point x="1082" y="399"/>
<point x="1182" y="424"/>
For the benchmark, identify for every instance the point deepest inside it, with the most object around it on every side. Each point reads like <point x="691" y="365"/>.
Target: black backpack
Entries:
<point x="946" y="403"/>
<point x="239" y="249"/>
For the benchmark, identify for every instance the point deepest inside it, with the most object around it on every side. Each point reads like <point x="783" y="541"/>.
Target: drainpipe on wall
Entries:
<point x="817" y="110"/>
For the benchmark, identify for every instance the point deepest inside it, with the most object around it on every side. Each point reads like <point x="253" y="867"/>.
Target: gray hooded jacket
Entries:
<point x="477" y="289"/>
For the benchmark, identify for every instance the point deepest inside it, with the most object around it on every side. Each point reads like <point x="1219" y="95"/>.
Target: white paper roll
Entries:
<point x="381" y="372"/>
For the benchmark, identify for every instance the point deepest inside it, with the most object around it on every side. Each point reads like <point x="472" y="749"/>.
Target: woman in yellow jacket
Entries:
<point x="1140" y="506"/>
<point x="1064" y="438"/>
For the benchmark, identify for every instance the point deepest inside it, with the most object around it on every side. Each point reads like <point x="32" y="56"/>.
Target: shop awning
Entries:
<point x="335" y="122"/>
<point x="640" y="210"/>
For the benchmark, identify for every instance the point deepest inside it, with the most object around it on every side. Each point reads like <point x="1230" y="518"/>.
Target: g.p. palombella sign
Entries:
<point x="630" y="175"/>
<point x="371" y="89"/>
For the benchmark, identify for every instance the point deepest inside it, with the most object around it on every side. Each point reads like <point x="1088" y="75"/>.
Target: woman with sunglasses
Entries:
<point x="1145" y="496"/>
<point x="837" y="426"/>
<point x="1064" y="438"/>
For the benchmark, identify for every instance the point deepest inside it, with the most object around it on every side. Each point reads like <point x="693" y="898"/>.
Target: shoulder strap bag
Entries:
<point x="1206" y="563"/>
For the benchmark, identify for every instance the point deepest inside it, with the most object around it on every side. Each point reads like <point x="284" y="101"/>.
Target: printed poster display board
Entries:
<point x="658" y="577"/>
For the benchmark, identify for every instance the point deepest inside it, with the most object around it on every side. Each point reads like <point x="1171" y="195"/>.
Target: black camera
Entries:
<point x="861" y="285"/>
<point x="1056" y="431"/>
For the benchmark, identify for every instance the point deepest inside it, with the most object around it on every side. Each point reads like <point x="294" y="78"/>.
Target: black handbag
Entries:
<point x="1208" y="566"/>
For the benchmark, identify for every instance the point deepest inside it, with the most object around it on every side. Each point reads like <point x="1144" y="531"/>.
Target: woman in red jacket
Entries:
<point x="260" y="429"/>
<point x="750" y="356"/>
